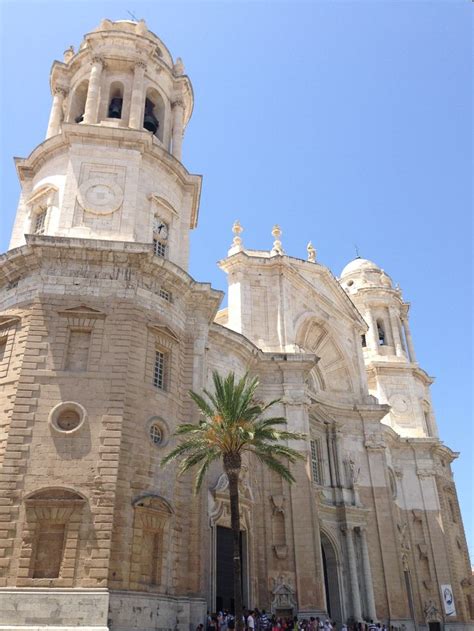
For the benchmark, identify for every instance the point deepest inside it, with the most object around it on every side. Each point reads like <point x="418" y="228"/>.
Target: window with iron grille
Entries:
<point x="156" y="434"/>
<point x="159" y="248"/>
<point x="159" y="370"/>
<point x="316" y="461"/>
<point x="40" y="222"/>
<point x="165" y="294"/>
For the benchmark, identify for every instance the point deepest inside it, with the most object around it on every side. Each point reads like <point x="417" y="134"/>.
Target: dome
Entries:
<point x="359" y="265"/>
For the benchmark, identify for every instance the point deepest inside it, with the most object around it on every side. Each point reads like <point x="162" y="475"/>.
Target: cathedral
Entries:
<point x="103" y="332"/>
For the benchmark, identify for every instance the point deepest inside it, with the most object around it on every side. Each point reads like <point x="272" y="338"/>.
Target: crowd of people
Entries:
<point x="256" y="620"/>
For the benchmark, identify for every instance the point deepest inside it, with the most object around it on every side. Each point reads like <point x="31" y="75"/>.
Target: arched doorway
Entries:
<point x="331" y="580"/>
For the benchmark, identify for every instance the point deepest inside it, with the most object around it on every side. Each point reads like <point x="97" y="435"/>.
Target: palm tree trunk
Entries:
<point x="232" y="470"/>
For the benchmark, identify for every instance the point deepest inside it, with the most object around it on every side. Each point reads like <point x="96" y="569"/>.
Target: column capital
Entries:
<point x="347" y="528"/>
<point x="60" y="90"/>
<point x="177" y="103"/>
<point x="97" y="59"/>
<point x="141" y="64"/>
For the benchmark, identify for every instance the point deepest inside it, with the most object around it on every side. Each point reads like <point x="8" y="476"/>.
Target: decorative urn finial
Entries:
<point x="237" y="240"/>
<point x="277" y="247"/>
<point x="311" y="253"/>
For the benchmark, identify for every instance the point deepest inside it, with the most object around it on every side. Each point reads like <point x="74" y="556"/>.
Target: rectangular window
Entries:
<point x="316" y="461"/>
<point x="77" y="357"/>
<point x="159" y="369"/>
<point x="165" y="295"/>
<point x="40" y="222"/>
<point x="159" y="248"/>
<point x="49" y="551"/>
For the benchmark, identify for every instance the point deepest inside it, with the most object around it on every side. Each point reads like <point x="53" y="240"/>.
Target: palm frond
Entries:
<point x="276" y="465"/>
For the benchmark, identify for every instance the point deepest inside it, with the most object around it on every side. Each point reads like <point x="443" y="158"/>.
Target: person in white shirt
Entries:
<point x="250" y="621"/>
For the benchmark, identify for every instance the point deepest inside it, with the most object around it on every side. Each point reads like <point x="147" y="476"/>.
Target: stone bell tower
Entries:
<point x="110" y="167"/>
<point x="102" y="335"/>
<point x="394" y="376"/>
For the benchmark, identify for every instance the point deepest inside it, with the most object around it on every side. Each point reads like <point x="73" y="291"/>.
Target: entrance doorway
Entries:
<point x="331" y="580"/>
<point x="224" y="569"/>
<point x="434" y="626"/>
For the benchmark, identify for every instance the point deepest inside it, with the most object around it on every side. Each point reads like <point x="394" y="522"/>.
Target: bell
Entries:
<point x="150" y="123"/>
<point x="115" y="108"/>
<point x="79" y="118"/>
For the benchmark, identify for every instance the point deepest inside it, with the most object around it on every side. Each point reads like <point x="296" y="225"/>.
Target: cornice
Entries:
<point x="380" y="367"/>
<point x="127" y="257"/>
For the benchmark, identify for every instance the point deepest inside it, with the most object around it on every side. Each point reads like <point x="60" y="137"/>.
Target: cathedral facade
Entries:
<point x="103" y="333"/>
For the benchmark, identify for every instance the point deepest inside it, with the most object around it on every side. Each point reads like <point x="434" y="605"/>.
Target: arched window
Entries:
<point x="153" y="119"/>
<point x="115" y="100"/>
<point x="53" y="520"/>
<point x="381" y="333"/>
<point x="78" y="103"/>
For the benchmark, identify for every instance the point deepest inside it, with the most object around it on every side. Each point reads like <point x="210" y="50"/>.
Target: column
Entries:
<point x="395" y="332"/>
<point x="369" y="587"/>
<point x="93" y="92"/>
<point x="340" y="463"/>
<point x="353" y="578"/>
<point x="56" y="116"/>
<point x="138" y="96"/>
<point x="373" y="335"/>
<point x="411" y="350"/>
<point x="178" y="128"/>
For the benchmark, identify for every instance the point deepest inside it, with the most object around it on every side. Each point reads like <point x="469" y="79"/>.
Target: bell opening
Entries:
<point x="150" y="122"/>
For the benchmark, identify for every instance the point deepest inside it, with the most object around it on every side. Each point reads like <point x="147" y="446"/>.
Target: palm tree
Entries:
<point x="232" y="423"/>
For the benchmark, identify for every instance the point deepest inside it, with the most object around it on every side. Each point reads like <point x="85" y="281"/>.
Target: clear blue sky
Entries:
<point x="345" y="122"/>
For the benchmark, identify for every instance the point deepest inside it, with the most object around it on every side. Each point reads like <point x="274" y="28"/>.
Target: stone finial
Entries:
<point x="105" y="24"/>
<point x="237" y="240"/>
<point x="277" y="247"/>
<point x="141" y="28"/>
<point x="68" y="54"/>
<point x="311" y="253"/>
<point x="178" y="67"/>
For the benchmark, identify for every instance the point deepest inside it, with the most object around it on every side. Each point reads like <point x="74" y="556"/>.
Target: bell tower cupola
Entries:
<point x="110" y="167"/>
<point x="122" y="76"/>
<point x="393" y="374"/>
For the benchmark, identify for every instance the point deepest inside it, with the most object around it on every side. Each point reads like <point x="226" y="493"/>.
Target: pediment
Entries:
<point x="8" y="321"/>
<point x="161" y="201"/>
<point x="163" y="329"/>
<point x="154" y="503"/>
<point x="327" y="292"/>
<point x="82" y="311"/>
<point x="41" y="192"/>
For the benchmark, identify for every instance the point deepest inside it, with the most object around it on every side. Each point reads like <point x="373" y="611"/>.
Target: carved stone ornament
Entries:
<point x="353" y="469"/>
<point x="281" y="551"/>
<point x="283" y="595"/>
<point x="431" y="612"/>
<point x="278" y="501"/>
<point x="100" y="197"/>
<point x="375" y="441"/>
